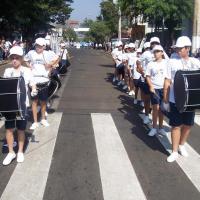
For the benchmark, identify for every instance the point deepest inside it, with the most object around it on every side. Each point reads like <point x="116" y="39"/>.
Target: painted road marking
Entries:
<point x="190" y="165"/>
<point x="28" y="180"/>
<point x="118" y="177"/>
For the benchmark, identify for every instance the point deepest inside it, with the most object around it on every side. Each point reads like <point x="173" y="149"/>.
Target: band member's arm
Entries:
<point x="166" y="90"/>
<point x="139" y="68"/>
<point x="151" y="88"/>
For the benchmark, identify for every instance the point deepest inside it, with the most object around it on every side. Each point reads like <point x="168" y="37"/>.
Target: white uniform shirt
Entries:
<point x="156" y="71"/>
<point x="26" y="73"/>
<point x="117" y="56"/>
<point x="38" y="62"/>
<point x="179" y="64"/>
<point x="63" y="54"/>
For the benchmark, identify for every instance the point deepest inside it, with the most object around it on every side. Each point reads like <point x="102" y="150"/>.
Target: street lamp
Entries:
<point x="120" y="21"/>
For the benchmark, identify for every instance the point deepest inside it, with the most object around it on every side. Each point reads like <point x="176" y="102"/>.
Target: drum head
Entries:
<point x="52" y="88"/>
<point x="179" y="91"/>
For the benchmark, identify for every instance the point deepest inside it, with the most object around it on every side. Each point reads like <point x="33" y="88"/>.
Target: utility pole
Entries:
<point x="120" y="22"/>
<point x="196" y="27"/>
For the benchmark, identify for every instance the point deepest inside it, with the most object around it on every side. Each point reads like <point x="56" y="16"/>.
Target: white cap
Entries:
<point x="147" y="45"/>
<point x="158" y="48"/>
<point x="131" y="45"/>
<point x="183" y="41"/>
<point x="62" y="44"/>
<point x="16" y="50"/>
<point x="40" y="41"/>
<point x="126" y="46"/>
<point x="155" y="39"/>
<point x="139" y="50"/>
<point x="119" y="43"/>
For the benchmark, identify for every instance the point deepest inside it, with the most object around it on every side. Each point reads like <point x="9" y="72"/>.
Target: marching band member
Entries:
<point x="41" y="62"/>
<point x="181" y="123"/>
<point x="17" y="70"/>
<point x="155" y="78"/>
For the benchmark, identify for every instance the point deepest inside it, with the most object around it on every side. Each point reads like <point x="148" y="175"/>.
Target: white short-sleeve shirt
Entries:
<point x="156" y="71"/>
<point x="179" y="64"/>
<point x="38" y="61"/>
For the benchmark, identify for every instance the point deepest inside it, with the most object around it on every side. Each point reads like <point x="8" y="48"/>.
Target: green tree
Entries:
<point x="109" y="14"/>
<point x="155" y="12"/>
<point x="31" y="16"/>
<point x="70" y="34"/>
<point x="99" y="32"/>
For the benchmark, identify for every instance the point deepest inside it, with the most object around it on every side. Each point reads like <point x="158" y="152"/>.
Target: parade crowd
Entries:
<point x="36" y="68"/>
<point x="148" y="74"/>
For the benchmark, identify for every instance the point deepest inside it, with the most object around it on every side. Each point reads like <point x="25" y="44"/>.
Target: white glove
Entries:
<point x="166" y="106"/>
<point x="34" y="93"/>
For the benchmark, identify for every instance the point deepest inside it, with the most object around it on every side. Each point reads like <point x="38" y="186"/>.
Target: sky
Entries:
<point x="85" y="9"/>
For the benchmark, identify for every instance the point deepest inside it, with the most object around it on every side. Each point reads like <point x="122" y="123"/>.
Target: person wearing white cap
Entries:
<point x="63" y="56"/>
<point x="40" y="61"/>
<point x="181" y="123"/>
<point x="155" y="76"/>
<point x="17" y="70"/>
<point x="116" y="55"/>
<point x="131" y="63"/>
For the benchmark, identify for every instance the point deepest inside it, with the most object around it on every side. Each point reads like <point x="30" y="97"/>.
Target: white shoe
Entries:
<point x="162" y="131"/>
<point x="125" y="87"/>
<point x="182" y="150"/>
<point x="152" y="132"/>
<point x="44" y="123"/>
<point x="20" y="157"/>
<point x="135" y="101"/>
<point x="146" y="120"/>
<point x="131" y="93"/>
<point x="172" y="157"/>
<point x="114" y="79"/>
<point x="8" y="159"/>
<point x="34" y="126"/>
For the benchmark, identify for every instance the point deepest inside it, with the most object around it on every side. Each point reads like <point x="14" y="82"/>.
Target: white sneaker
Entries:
<point x="146" y="120"/>
<point x="182" y="150"/>
<point x="135" y="101"/>
<point x="34" y="126"/>
<point x="8" y="159"/>
<point x="152" y="132"/>
<point x="44" y="123"/>
<point x="20" y="157"/>
<point x="114" y="79"/>
<point x="125" y="87"/>
<point x="131" y="93"/>
<point x="162" y="131"/>
<point x="172" y="157"/>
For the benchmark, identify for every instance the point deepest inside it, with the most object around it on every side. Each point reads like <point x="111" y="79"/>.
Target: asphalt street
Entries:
<point x="97" y="147"/>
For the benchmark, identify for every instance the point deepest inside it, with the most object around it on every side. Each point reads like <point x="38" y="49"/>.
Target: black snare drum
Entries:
<point x="12" y="98"/>
<point x="187" y="90"/>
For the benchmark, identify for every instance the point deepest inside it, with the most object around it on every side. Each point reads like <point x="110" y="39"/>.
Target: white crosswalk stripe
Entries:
<point x="28" y="180"/>
<point x="117" y="173"/>
<point x="189" y="165"/>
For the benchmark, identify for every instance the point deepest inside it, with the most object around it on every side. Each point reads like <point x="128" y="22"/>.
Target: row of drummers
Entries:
<point x="167" y="85"/>
<point x="41" y="66"/>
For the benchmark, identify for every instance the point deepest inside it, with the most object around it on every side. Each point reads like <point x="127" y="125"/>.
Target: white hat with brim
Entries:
<point x="16" y="50"/>
<point x="126" y="46"/>
<point x="40" y="42"/>
<point x="183" y="41"/>
<point x="155" y="39"/>
<point x="131" y="45"/>
<point x="120" y="43"/>
<point x="147" y="45"/>
<point x="158" y="48"/>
